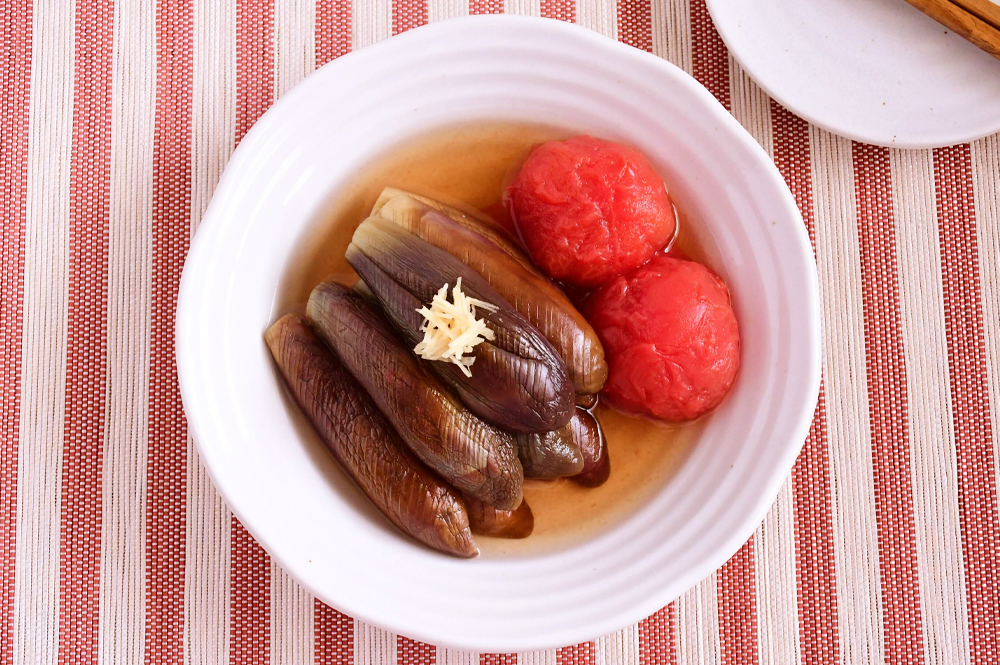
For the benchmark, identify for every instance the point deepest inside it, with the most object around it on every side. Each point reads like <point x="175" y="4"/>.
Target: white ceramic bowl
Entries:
<point x="285" y="488"/>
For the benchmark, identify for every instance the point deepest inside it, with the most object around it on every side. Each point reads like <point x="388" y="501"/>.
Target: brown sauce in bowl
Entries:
<point x="469" y="165"/>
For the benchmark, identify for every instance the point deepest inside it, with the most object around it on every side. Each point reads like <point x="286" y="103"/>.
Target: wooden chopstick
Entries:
<point x="957" y="17"/>
<point x="984" y="9"/>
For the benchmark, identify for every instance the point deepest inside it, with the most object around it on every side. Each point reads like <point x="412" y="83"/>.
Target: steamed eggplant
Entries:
<point x="365" y="444"/>
<point x="519" y="381"/>
<point x="509" y="271"/>
<point x="488" y="521"/>
<point x="475" y="457"/>
<point x="470" y="219"/>
<point x="548" y="455"/>
<point x="589" y="437"/>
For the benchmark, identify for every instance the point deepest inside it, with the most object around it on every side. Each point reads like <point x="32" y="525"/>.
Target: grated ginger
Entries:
<point x="451" y="329"/>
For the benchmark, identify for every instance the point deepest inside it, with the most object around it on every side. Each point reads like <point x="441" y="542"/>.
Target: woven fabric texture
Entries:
<point x="116" y="120"/>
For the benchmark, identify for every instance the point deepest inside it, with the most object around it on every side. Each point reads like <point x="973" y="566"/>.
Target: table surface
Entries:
<point x="115" y="123"/>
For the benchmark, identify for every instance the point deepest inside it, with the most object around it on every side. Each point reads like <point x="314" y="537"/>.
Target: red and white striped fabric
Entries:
<point x="116" y="121"/>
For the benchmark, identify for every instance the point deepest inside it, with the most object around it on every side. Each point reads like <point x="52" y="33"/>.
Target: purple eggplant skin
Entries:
<point x="475" y="457"/>
<point x="359" y="437"/>
<point x="589" y="437"/>
<point x="549" y="455"/>
<point x="488" y="521"/>
<point x="470" y="218"/>
<point x="518" y="382"/>
<point x="509" y="271"/>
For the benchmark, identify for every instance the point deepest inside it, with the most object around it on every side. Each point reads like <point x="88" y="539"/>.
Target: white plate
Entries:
<point x="877" y="71"/>
<point x="285" y="488"/>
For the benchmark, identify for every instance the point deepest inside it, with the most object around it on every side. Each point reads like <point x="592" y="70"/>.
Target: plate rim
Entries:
<point x="766" y="84"/>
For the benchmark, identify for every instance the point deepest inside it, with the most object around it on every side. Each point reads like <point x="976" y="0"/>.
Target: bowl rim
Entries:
<point x="200" y="251"/>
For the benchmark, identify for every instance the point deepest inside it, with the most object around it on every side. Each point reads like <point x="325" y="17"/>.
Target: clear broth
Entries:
<point x="471" y="165"/>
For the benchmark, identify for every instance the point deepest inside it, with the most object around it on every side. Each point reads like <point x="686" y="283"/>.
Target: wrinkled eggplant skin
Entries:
<point x="587" y="402"/>
<point x="497" y="261"/>
<point x="471" y="220"/>
<point x="478" y="459"/>
<point x="549" y="455"/>
<point x="493" y="392"/>
<point x="488" y="521"/>
<point x="409" y="494"/>
<point x="589" y="437"/>
<point x="518" y="380"/>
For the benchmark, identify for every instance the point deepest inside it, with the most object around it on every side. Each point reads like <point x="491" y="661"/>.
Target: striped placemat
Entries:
<point x="115" y="123"/>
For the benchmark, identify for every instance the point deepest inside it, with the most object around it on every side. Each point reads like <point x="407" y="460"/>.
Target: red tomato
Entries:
<point x="670" y="337"/>
<point x="588" y="210"/>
